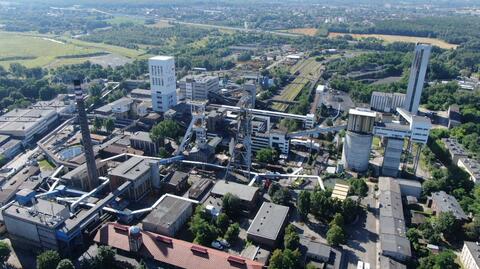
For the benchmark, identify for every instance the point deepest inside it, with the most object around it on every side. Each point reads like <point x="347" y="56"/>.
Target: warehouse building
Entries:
<point x="393" y="239"/>
<point x="247" y="194"/>
<point x="27" y="124"/>
<point x="268" y="225"/>
<point x="168" y="216"/>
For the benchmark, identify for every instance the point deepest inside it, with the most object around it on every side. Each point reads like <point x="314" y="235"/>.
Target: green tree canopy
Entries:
<point x="358" y="187"/>
<point x="65" y="264"/>
<point x="232" y="232"/>
<point x="48" y="260"/>
<point x="109" y="124"/>
<point x="291" y="239"/>
<point x="335" y="235"/>
<point x="4" y="252"/>
<point x="231" y="205"/>
<point x="303" y="204"/>
<point x="267" y="155"/>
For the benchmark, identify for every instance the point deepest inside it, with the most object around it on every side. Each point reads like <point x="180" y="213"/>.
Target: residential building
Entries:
<point x="472" y="167"/>
<point x="417" y="77"/>
<point x="386" y="101"/>
<point x="442" y="202"/>
<point x="197" y="87"/>
<point x="162" y="82"/>
<point x="170" y="252"/>
<point x="268" y="225"/>
<point x="137" y="170"/>
<point x="169" y="216"/>
<point x="455" y="149"/>
<point x="470" y="256"/>
<point x="393" y="238"/>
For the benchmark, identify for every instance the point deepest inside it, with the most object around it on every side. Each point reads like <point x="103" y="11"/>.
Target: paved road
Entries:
<point x="363" y="237"/>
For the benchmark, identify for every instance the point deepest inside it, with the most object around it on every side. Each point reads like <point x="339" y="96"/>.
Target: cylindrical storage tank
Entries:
<point x="134" y="238"/>
<point x="356" y="151"/>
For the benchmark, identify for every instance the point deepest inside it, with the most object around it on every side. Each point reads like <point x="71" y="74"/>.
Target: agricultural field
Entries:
<point x="306" y="71"/>
<point x="302" y="31"/>
<point x="35" y="50"/>
<point x="399" y="38"/>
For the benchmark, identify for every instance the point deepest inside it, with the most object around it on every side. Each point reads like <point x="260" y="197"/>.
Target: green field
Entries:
<point x="308" y="70"/>
<point x="35" y="50"/>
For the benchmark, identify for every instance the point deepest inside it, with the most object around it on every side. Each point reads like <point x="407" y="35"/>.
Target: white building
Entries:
<point x="386" y="102"/>
<point x="470" y="256"/>
<point x="162" y="82"/>
<point x="197" y="87"/>
<point x="417" y="77"/>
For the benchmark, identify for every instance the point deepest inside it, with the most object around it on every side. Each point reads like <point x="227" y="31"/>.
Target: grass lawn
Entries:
<point x="36" y="50"/>
<point x="393" y="38"/>
<point x="125" y="19"/>
<point x="45" y="165"/>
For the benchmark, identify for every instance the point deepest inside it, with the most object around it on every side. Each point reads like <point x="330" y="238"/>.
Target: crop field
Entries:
<point x="400" y="38"/>
<point x="35" y="50"/>
<point x="302" y="31"/>
<point x="308" y="70"/>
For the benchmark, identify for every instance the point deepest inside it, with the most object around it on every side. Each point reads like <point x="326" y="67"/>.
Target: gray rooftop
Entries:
<point x="131" y="169"/>
<point x="472" y="166"/>
<point x="167" y="212"/>
<point x="46" y="213"/>
<point x="141" y="136"/>
<point x="474" y="248"/>
<point x="395" y="244"/>
<point x="269" y="221"/>
<point x="244" y="192"/>
<point x="454" y="147"/>
<point x="24" y="119"/>
<point x="319" y="249"/>
<point x="447" y="203"/>
<point x="387" y="263"/>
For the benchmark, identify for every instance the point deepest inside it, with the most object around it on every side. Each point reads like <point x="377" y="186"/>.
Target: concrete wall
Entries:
<point x="392" y="156"/>
<point x="356" y="151"/>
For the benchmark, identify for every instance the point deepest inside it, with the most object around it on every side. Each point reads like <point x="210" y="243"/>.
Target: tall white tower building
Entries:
<point x="417" y="77"/>
<point x="163" y="83"/>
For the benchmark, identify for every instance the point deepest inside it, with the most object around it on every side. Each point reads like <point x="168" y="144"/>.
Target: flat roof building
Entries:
<point x="455" y="149"/>
<point x="197" y="87"/>
<point x="393" y="239"/>
<point x="27" y="123"/>
<point x="267" y="226"/>
<point x="472" y="167"/>
<point x="137" y="170"/>
<point x="168" y="216"/>
<point x="247" y="194"/>
<point x="470" y="256"/>
<point x="443" y="202"/>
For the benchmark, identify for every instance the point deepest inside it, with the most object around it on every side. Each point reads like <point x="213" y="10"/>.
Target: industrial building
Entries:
<point x="386" y="101"/>
<point x="168" y="251"/>
<point x="78" y="177"/>
<point x="393" y="238"/>
<point x="358" y="139"/>
<point x="416" y="79"/>
<point x="197" y="87"/>
<point x="470" y="256"/>
<point x="27" y="124"/>
<point x="168" y="217"/>
<point x="136" y="170"/>
<point x="247" y="194"/>
<point x="442" y="202"/>
<point x="162" y="82"/>
<point x="175" y="182"/>
<point x="9" y="147"/>
<point x="142" y="141"/>
<point x="267" y="227"/>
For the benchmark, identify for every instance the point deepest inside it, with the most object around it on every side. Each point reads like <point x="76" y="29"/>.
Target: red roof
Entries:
<point x="175" y="252"/>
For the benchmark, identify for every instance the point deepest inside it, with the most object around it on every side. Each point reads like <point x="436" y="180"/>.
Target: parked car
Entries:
<point x="224" y="243"/>
<point x="217" y="245"/>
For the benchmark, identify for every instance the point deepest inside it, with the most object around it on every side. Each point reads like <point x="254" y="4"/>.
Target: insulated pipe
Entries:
<point x="88" y="194"/>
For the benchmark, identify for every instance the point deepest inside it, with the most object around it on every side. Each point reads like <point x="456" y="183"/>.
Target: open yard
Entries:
<point x="308" y="70"/>
<point x="35" y="50"/>
<point x="400" y="38"/>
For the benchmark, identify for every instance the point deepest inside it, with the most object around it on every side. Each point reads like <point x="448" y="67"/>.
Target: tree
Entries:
<point x="291" y="240"/>
<point x="65" y="264"/>
<point x="47" y="93"/>
<point x="350" y="210"/>
<point x="281" y="196"/>
<point x="4" y="252"/>
<point x="222" y="222"/>
<point x="335" y="235"/>
<point x="267" y="155"/>
<point x="48" y="260"/>
<point x="443" y="260"/>
<point x="231" y="205"/>
<point x="164" y="129"/>
<point x="447" y="224"/>
<point x="203" y="231"/>
<point x="359" y="187"/>
<point x="97" y="123"/>
<point x="337" y="220"/>
<point x="109" y="124"/>
<point x="303" y="204"/>
<point x="287" y="259"/>
<point x="105" y="257"/>
<point x="232" y="232"/>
